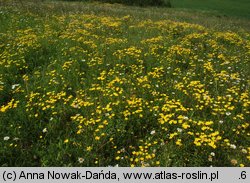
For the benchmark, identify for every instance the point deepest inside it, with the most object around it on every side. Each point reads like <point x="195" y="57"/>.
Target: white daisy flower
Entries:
<point x="6" y="138"/>
<point x="45" y="130"/>
<point x="152" y="132"/>
<point x="80" y="160"/>
<point x="232" y="146"/>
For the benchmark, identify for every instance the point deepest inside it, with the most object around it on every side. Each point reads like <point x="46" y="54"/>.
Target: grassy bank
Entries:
<point x="235" y="8"/>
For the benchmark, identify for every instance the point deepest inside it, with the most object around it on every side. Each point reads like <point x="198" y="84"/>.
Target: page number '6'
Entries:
<point x="243" y="175"/>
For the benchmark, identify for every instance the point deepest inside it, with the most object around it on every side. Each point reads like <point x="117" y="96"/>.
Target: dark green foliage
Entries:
<point x="138" y="2"/>
<point x="165" y="3"/>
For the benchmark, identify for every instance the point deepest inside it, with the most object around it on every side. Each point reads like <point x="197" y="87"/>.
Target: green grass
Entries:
<point x="238" y="8"/>
<point x="113" y="84"/>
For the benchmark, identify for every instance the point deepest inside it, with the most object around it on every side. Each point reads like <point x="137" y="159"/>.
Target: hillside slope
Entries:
<point x="89" y="84"/>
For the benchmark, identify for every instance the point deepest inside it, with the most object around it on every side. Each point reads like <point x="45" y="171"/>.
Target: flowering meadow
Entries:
<point x="89" y="89"/>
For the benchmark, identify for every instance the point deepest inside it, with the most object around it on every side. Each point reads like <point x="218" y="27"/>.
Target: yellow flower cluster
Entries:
<point x="10" y="105"/>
